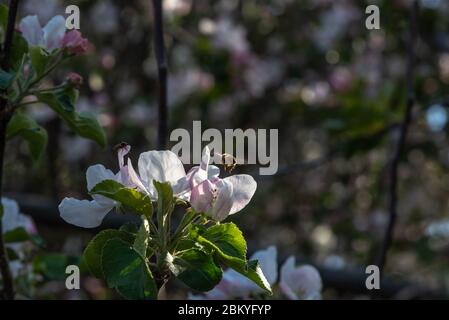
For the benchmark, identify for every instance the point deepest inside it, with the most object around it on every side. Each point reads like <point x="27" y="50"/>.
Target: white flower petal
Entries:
<point x="236" y="285"/>
<point x="205" y="158"/>
<point x="309" y="282"/>
<point x="135" y="180"/>
<point x="13" y="218"/>
<point x="224" y="201"/>
<point x="243" y="188"/>
<point x="202" y="196"/>
<point x="268" y="263"/>
<point x="162" y="166"/>
<point x="54" y="32"/>
<point x="10" y="214"/>
<point x="182" y="189"/>
<point x="204" y="171"/>
<point x="213" y="172"/>
<point x="32" y="31"/>
<point x="97" y="173"/>
<point x="300" y="283"/>
<point x="83" y="213"/>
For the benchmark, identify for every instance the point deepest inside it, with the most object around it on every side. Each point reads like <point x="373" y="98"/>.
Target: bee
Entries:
<point x="229" y="162"/>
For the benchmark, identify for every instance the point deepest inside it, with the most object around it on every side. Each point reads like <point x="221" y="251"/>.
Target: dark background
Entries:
<point x="335" y="91"/>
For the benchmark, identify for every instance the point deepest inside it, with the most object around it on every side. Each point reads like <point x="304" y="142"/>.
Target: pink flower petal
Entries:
<point x="74" y="42"/>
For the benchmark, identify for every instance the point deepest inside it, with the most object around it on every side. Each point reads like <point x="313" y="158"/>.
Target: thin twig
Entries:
<point x="5" y="116"/>
<point x="26" y="103"/>
<point x="407" y="119"/>
<point x="159" y="49"/>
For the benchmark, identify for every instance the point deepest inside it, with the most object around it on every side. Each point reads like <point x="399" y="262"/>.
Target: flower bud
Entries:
<point x="74" y="79"/>
<point x="74" y="42"/>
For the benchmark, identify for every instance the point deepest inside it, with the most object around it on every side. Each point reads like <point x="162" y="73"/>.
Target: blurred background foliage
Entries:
<point x="311" y="69"/>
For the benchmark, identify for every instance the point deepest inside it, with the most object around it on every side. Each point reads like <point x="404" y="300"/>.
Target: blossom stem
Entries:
<point x="26" y="103"/>
<point x="16" y="104"/>
<point x="37" y="91"/>
<point x="187" y="218"/>
<point x="46" y="73"/>
<point x="5" y="116"/>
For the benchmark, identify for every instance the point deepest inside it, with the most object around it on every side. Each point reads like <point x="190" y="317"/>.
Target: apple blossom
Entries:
<point x="161" y="176"/>
<point x="53" y="35"/>
<point x="13" y="219"/>
<point x="90" y="214"/>
<point x="49" y="37"/>
<point x="217" y="197"/>
<point x="201" y="186"/>
<point x="161" y="166"/>
<point x="300" y="282"/>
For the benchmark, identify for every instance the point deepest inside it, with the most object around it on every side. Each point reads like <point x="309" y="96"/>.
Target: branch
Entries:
<point x="5" y="116"/>
<point x="406" y="121"/>
<point x="159" y="49"/>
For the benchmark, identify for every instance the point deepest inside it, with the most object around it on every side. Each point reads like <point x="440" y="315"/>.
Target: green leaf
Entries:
<point x="196" y="269"/>
<point x="125" y="270"/>
<point x="142" y="238"/>
<point x="39" y="60"/>
<point x="228" y="239"/>
<point x="136" y="200"/>
<point x="16" y="235"/>
<point x="3" y="16"/>
<point x="165" y="202"/>
<point x="67" y="98"/>
<point x="93" y="251"/>
<point x="21" y="235"/>
<point x="129" y="227"/>
<point x="229" y="245"/>
<point x="1" y="210"/>
<point x="6" y="79"/>
<point x="252" y="271"/>
<point x="84" y="123"/>
<point x="12" y="255"/>
<point x="19" y="49"/>
<point x="28" y="129"/>
<point x="53" y="265"/>
<point x="87" y="126"/>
